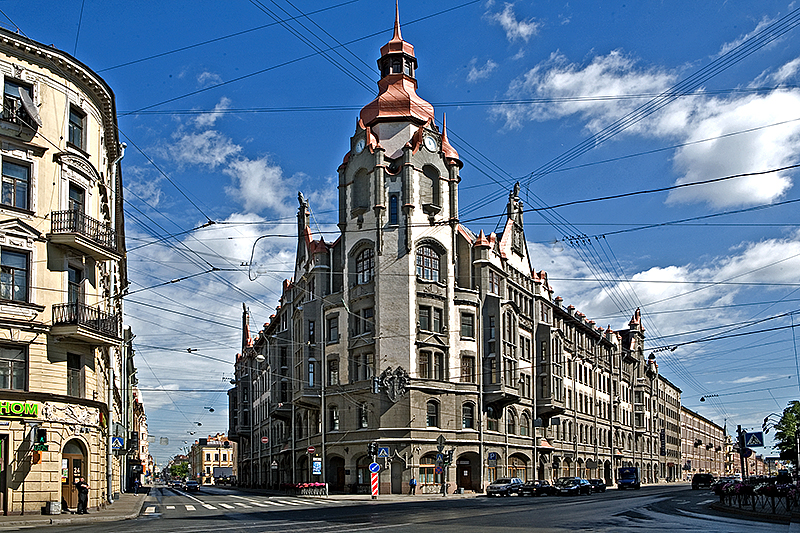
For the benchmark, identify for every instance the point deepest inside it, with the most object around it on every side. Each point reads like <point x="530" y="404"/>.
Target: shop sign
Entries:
<point x="19" y="409"/>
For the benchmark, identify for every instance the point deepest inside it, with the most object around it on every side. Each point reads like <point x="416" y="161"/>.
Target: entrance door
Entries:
<point x="464" y="468"/>
<point x="73" y="466"/>
<point x="397" y="477"/>
<point x="3" y="473"/>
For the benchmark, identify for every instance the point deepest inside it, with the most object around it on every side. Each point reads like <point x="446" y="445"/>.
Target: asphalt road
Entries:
<point x="651" y="509"/>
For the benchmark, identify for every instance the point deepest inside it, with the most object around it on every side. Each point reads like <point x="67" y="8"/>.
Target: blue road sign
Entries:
<point x="383" y="451"/>
<point x="374" y="468"/>
<point x="117" y="443"/>
<point x="754" y="440"/>
<point x="493" y="456"/>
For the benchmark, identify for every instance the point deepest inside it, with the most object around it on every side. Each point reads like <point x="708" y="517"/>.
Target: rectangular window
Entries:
<point x="467" y="369"/>
<point x="74" y="285"/>
<point x="75" y="375"/>
<point x="438" y="366"/>
<point x="77" y="128"/>
<point x="311" y="371"/>
<point x="368" y="316"/>
<point x="491" y="332"/>
<point x="77" y="199"/>
<point x="13" y="106"/>
<point x="494" y="282"/>
<point x="425" y="365"/>
<point x="16" y="184"/>
<point x="467" y="325"/>
<point x="216" y="457"/>
<point x="333" y="329"/>
<point x="425" y="318"/>
<point x="437" y="320"/>
<point x="13" y="275"/>
<point x="13" y="368"/>
<point x="312" y="336"/>
<point x="333" y="372"/>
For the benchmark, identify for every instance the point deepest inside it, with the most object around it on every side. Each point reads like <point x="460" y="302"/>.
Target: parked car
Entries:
<point x="598" y="485"/>
<point x="191" y="485"/>
<point x="702" y="480"/>
<point x="537" y="487"/>
<point x="504" y="486"/>
<point x="573" y="486"/>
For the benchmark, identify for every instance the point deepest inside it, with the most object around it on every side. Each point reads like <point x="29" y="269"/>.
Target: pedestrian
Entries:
<point x="83" y="496"/>
<point x="412" y="486"/>
<point x="136" y="486"/>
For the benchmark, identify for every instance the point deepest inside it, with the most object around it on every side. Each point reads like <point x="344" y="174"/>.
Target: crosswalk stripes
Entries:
<point x="249" y="503"/>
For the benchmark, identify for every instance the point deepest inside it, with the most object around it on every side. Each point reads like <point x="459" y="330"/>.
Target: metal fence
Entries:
<point x="78" y="222"/>
<point x="761" y="503"/>
<point x="90" y="317"/>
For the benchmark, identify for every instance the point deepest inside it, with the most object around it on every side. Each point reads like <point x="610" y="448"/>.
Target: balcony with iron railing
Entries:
<point x="83" y="323"/>
<point x="76" y="229"/>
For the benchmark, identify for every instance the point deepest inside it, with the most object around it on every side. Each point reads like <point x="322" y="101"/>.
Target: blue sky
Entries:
<point x="228" y="113"/>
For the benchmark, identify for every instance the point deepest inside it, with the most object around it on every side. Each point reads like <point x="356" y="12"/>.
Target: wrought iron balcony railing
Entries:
<point x="89" y="317"/>
<point x="82" y="224"/>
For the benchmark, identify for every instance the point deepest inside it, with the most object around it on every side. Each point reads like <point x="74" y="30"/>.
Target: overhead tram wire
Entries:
<point x="727" y="60"/>
<point x="291" y="61"/>
<point x="216" y="39"/>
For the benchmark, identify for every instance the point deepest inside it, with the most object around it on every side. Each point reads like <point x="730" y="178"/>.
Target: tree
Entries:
<point x="786" y="430"/>
<point x="179" y="470"/>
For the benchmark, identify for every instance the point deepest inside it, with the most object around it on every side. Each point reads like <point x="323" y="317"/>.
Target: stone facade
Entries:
<point x="63" y="261"/>
<point x="703" y="445"/>
<point x="443" y="346"/>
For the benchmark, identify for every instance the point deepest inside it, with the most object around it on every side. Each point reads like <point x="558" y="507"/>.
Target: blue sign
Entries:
<point x="754" y="440"/>
<point x="316" y="466"/>
<point x="117" y="443"/>
<point x="493" y="456"/>
<point x="383" y="451"/>
<point x="439" y="457"/>
<point x="374" y="468"/>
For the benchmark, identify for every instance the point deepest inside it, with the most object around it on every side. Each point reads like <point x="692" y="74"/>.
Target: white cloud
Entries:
<point x="605" y="89"/>
<point x="478" y="73"/>
<point x="259" y="185"/>
<point x="206" y="120"/>
<point x="516" y="30"/>
<point x="206" y="78"/>
<point x="209" y="148"/>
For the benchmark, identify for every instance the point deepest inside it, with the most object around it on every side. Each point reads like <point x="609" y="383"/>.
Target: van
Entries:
<point x="702" y="480"/>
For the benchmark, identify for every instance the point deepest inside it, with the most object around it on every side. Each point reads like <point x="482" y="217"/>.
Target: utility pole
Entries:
<point x="740" y="436"/>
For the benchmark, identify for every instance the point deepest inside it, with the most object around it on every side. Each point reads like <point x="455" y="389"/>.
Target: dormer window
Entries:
<point x="397" y="65"/>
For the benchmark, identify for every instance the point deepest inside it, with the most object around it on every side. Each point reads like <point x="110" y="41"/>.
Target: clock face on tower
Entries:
<point x="360" y="145"/>
<point x="430" y="143"/>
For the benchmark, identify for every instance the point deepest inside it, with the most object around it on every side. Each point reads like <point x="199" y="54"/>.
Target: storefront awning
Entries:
<point x="546" y="445"/>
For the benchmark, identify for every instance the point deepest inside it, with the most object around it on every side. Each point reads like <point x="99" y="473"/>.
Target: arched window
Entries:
<point x="492" y="424"/>
<point x="432" y="195"/>
<point x="468" y="416"/>
<point x="524" y="425"/>
<point x="511" y="422"/>
<point x="333" y="416"/>
<point x="365" y="266"/>
<point x="433" y="414"/>
<point x="394" y="210"/>
<point x="427" y="263"/>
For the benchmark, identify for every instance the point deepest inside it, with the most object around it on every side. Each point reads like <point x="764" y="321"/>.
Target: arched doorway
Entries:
<point x="518" y="466"/>
<point x="467" y="473"/>
<point x="74" y="466"/>
<point x="335" y="474"/>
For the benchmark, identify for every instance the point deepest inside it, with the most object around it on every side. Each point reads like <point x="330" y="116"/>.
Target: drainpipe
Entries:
<point x="109" y="449"/>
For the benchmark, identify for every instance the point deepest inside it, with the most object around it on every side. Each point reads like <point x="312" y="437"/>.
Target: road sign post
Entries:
<point x="374" y="484"/>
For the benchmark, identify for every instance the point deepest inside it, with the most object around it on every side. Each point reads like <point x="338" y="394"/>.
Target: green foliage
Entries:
<point x="180" y="470"/>
<point x="787" y="427"/>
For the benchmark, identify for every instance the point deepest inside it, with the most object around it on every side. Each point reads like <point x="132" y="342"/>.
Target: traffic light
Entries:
<point x="41" y="436"/>
<point x="373" y="448"/>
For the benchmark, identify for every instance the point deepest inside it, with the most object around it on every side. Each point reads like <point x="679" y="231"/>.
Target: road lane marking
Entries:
<point x="208" y="506"/>
<point x="287" y="502"/>
<point x="242" y="504"/>
<point x="150" y="510"/>
<point x="226" y="506"/>
<point x="170" y="507"/>
<point x="190" y="507"/>
<point x="704" y="502"/>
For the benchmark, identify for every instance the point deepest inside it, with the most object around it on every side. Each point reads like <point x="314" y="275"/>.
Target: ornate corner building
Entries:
<point x="443" y="346"/>
<point x="62" y="271"/>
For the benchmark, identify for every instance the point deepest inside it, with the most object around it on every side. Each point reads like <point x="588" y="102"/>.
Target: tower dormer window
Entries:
<point x="397" y="65"/>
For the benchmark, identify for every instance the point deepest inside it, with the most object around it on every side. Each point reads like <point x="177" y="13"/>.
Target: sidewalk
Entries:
<point x="126" y="507"/>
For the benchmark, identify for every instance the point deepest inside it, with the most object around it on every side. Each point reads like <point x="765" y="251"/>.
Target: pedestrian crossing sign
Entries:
<point x="383" y="451"/>
<point x="754" y="440"/>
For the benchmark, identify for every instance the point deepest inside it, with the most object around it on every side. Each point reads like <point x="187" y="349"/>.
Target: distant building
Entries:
<point x="213" y="454"/>
<point x="669" y="426"/>
<point x="442" y="346"/>
<point x="62" y="253"/>
<point x="703" y="445"/>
